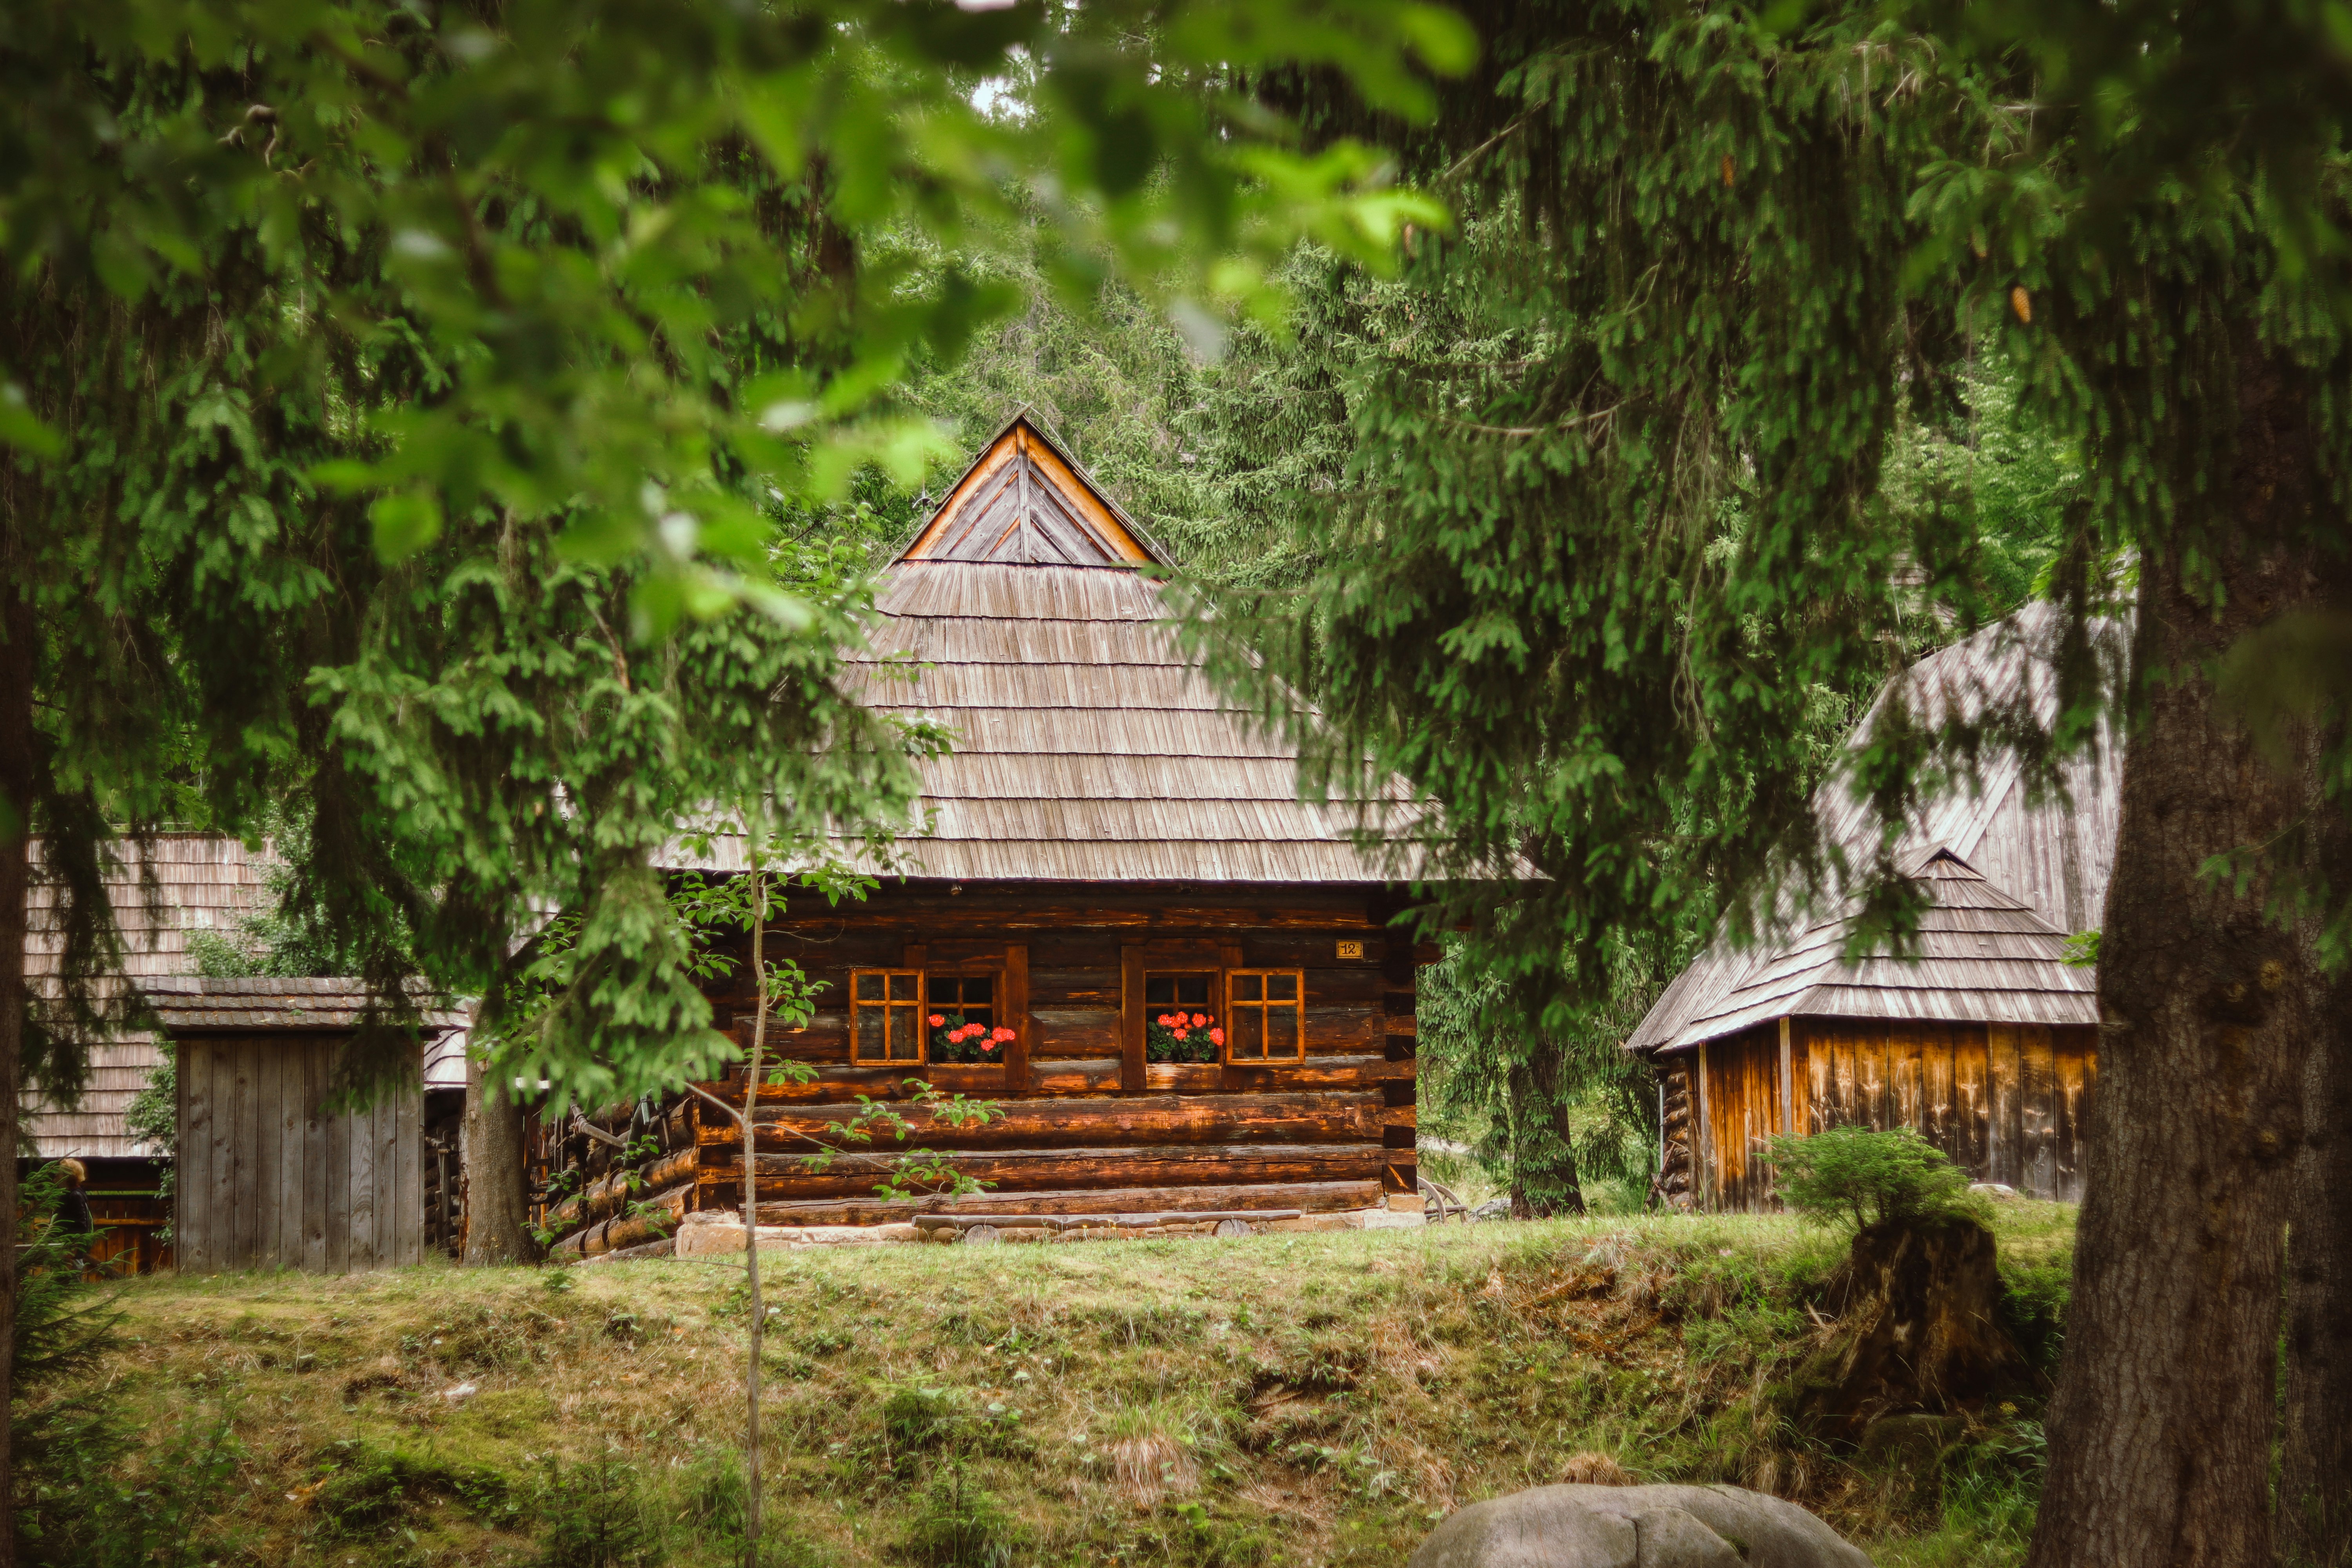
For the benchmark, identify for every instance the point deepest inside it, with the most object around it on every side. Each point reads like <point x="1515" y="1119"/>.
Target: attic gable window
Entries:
<point x="1266" y="1009"/>
<point x="886" y="1016"/>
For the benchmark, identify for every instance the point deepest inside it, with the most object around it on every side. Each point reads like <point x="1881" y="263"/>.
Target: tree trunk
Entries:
<point x="1543" y="1161"/>
<point x="2316" y="1458"/>
<point x="497" y="1207"/>
<point x="2160" y="1430"/>
<point x="17" y="656"/>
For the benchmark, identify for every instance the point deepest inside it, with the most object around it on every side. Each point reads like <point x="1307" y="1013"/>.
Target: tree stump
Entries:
<point x="1917" y="1329"/>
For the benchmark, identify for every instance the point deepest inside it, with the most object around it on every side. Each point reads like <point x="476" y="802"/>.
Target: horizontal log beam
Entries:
<point x="1081" y="1221"/>
<point x="1333" y="1116"/>
<point x="658" y="1216"/>
<point x="1309" y="1197"/>
<point x="836" y="1084"/>
<point x="1049" y="1170"/>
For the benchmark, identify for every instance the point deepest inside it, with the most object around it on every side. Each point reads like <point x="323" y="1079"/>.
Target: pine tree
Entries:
<point x="1617" y="514"/>
<point x="399" y="409"/>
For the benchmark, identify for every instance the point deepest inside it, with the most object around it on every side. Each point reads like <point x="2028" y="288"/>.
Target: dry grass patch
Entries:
<point x="1280" y="1399"/>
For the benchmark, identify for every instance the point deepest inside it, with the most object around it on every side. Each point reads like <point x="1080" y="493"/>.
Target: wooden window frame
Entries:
<point x="887" y="1004"/>
<point x="1008" y="967"/>
<point x="1264" y="1004"/>
<point x="1179" y="954"/>
<point x="994" y="972"/>
<point x="1196" y="966"/>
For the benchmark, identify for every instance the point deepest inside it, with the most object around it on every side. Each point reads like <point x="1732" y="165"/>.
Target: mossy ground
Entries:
<point x="1280" y="1399"/>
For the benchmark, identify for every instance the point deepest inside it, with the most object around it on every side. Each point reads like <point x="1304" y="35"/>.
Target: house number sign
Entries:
<point x="1351" y="950"/>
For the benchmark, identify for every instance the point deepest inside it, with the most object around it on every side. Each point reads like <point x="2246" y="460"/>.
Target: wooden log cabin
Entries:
<point x="1180" y="982"/>
<point x="1985" y="1041"/>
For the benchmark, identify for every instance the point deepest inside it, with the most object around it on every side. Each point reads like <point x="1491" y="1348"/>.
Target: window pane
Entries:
<point x="906" y="1041"/>
<point x="1282" y="987"/>
<point x="976" y="989"/>
<point x="870" y="984"/>
<point x="1249" y="1033"/>
<point x="1248" y="987"/>
<point x="1160" y="991"/>
<point x="1281" y="1031"/>
<point x="943" y="990"/>
<point x="869" y="1036"/>
<point x="1193" y="990"/>
<point x="906" y="985"/>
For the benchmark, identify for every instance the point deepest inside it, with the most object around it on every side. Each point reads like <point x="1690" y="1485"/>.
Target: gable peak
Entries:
<point x="1024" y="501"/>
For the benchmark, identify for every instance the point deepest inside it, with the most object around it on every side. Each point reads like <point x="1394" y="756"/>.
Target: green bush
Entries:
<point x="594" y="1515"/>
<point x="1851" y="1174"/>
<point x="961" y="1524"/>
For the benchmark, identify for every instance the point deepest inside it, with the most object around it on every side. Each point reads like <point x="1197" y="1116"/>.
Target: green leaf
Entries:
<point x="405" y="523"/>
<point x="22" y="429"/>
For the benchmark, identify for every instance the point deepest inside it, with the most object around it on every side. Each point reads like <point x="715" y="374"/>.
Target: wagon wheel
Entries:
<point x="1437" y="1202"/>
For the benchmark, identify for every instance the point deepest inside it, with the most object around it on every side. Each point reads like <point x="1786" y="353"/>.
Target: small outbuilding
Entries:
<point x="1984" y="1040"/>
<point x="269" y="1176"/>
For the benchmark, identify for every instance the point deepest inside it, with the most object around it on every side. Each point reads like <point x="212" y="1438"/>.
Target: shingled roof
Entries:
<point x="1983" y="957"/>
<point x="188" y="1003"/>
<point x="1088" y="745"/>
<point x="203" y="882"/>
<point x="2050" y="858"/>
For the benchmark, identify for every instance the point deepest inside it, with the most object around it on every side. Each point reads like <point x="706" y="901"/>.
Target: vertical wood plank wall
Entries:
<point x="2007" y="1103"/>
<point x="267" y="1180"/>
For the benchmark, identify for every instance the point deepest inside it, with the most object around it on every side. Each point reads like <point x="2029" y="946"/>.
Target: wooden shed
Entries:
<point x="1985" y="1040"/>
<point x="1110" y="845"/>
<point x="268" y="1178"/>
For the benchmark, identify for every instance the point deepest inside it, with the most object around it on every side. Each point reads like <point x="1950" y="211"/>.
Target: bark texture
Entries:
<point x="2160" y="1432"/>
<point x="497" y="1208"/>
<point x="1543" y="1161"/>
<point x="2316" y="1450"/>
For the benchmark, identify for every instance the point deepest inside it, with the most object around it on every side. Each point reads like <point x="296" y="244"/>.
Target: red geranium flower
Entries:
<point x="938" y="1021"/>
<point x="1200" y="1020"/>
<point x="989" y="1045"/>
<point x="1184" y="1034"/>
<point x="1216" y="1037"/>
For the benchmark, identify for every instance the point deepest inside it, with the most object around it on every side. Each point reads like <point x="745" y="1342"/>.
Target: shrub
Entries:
<point x="961" y="1524"/>
<point x="1853" y="1174"/>
<point x="593" y="1516"/>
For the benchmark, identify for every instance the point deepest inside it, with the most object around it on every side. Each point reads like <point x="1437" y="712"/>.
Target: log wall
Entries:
<point x="267" y="1179"/>
<point x="1087" y="1122"/>
<point x="2007" y="1103"/>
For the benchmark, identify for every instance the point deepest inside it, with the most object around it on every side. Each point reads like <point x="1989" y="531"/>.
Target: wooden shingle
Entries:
<point x="2048" y="859"/>
<point x="1026" y="619"/>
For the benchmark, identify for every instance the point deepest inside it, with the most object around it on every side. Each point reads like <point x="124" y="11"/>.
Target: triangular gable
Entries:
<point x="1024" y="503"/>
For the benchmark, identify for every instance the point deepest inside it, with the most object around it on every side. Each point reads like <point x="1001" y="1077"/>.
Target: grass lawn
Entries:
<point x="1280" y="1399"/>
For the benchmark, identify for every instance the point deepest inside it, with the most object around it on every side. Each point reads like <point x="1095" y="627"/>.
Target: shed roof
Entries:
<point x="189" y="1003"/>
<point x="1983" y="957"/>
<point x="202" y="882"/>
<point x="2051" y="855"/>
<point x="1088" y="745"/>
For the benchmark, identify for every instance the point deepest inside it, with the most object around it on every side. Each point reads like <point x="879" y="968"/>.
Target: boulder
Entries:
<point x="1636" y="1527"/>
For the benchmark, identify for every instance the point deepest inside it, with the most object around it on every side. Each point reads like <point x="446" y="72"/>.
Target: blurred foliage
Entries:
<point x="414" y="421"/>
